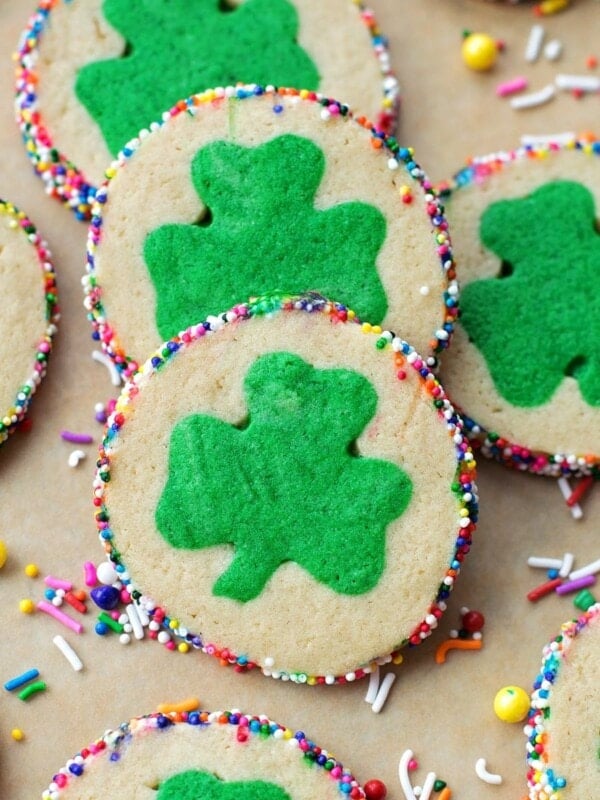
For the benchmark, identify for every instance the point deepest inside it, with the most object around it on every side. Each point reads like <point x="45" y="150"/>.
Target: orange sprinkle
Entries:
<point x="445" y="794"/>
<point x="191" y="704"/>
<point x="455" y="644"/>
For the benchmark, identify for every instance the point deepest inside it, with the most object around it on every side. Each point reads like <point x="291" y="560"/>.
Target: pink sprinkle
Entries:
<point x="574" y="586"/>
<point x="76" y="438"/>
<point x="511" y="87"/>
<point x="60" y="616"/>
<point x="89" y="571"/>
<point x="57" y="583"/>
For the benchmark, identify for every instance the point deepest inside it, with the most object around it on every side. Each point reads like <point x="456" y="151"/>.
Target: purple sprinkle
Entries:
<point x="77" y="438"/>
<point x="574" y="586"/>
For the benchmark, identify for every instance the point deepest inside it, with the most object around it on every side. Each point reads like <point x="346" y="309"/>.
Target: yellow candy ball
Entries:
<point x="26" y="606"/>
<point x="3" y="554"/>
<point x="17" y="734"/>
<point x="32" y="570"/>
<point x="511" y="704"/>
<point x="479" y="51"/>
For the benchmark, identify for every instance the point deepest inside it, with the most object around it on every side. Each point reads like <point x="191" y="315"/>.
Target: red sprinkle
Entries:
<point x="543" y="589"/>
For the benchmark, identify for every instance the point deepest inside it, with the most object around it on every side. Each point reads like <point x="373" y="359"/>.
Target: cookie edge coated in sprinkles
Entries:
<point x="62" y="179"/>
<point x="398" y="156"/>
<point x="542" y="782"/>
<point x="114" y="741"/>
<point x="490" y="444"/>
<point x="463" y="486"/>
<point x="13" y="416"/>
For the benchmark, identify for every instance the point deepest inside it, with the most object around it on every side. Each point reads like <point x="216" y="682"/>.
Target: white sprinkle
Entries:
<point x="566" y="491"/>
<point x="553" y="49"/>
<point x="487" y="777"/>
<point x="136" y="625"/>
<point x="373" y="686"/>
<point x="424" y="290"/>
<point x="533" y="99"/>
<point x="545" y="563"/>
<point x="534" y="140"/>
<point x="567" y="565"/>
<point x="405" y="783"/>
<point x="384" y="690"/>
<point x="68" y="653"/>
<point x="75" y="457"/>
<point x="101" y="358"/>
<point x="534" y="43"/>
<point x="586" y="83"/>
<point x="428" y="786"/>
<point x="590" y="569"/>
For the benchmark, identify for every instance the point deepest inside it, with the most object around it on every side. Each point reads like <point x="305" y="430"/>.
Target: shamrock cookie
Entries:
<point x="525" y="366"/>
<point x="93" y="73"/>
<point x="306" y="496"/>
<point x="248" y="190"/>
<point x="221" y="755"/>
<point x="563" y="730"/>
<point x="29" y="314"/>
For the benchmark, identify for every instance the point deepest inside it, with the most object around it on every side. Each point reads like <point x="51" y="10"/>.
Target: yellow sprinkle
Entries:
<point x="351" y="314"/>
<point x="303" y="93"/>
<point x="190" y="704"/>
<point x="398" y="659"/>
<point x="183" y="647"/>
<point x="311" y="681"/>
<point x="32" y="570"/>
<point x="173" y="624"/>
<point x="26" y="606"/>
<point x="404" y="190"/>
<point x="287" y="734"/>
<point x="366" y="327"/>
<point x="17" y="734"/>
<point x="376" y="329"/>
<point x="3" y="554"/>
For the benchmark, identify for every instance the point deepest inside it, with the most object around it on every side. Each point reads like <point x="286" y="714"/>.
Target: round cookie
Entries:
<point x="29" y="314"/>
<point x="221" y="755"/>
<point x="92" y="73"/>
<point x="525" y="362"/>
<point x="247" y="190"/>
<point x="563" y="734"/>
<point x="306" y="497"/>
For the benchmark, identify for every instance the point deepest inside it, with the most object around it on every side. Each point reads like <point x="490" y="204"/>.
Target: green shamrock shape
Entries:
<point x="539" y="320"/>
<point x="262" y="233"/>
<point x="287" y="484"/>
<point x="196" y="785"/>
<point x="180" y="47"/>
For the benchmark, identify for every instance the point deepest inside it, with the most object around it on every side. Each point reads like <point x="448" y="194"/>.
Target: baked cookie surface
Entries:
<point x="296" y="463"/>
<point x="77" y="57"/>
<point x="248" y="190"/>
<point x="29" y="314"/>
<point x="562" y="728"/>
<point x="525" y="366"/>
<point x="222" y="755"/>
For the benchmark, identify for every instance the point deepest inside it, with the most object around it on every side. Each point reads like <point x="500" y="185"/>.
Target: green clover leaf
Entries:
<point x="262" y="233"/>
<point x="196" y="785"/>
<point x="179" y="47"/>
<point x="287" y="484"/>
<point x="539" y="320"/>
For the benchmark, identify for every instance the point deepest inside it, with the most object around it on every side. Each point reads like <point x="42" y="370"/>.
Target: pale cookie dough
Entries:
<point x="246" y="191"/>
<point x="525" y="362"/>
<point x="563" y="726"/>
<point x="93" y="73"/>
<point x="29" y="314"/>
<point x="221" y="755"/>
<point x="287" y="488"/>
